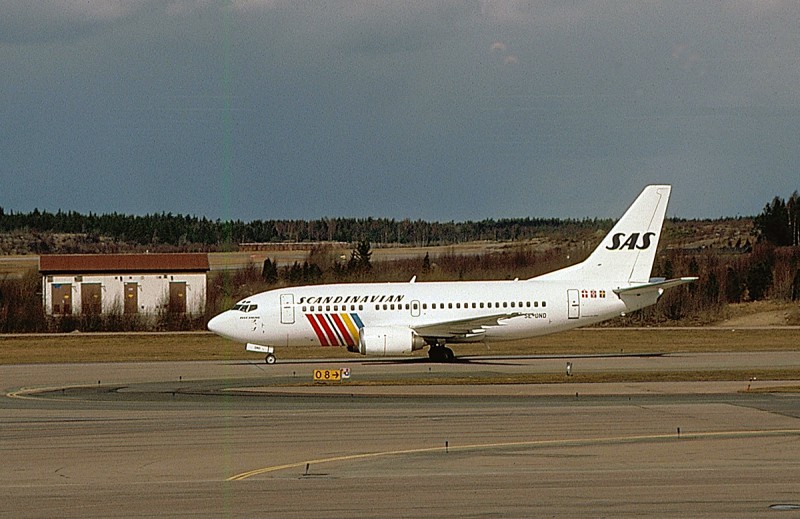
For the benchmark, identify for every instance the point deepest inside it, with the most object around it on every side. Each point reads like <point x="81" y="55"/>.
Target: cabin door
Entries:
<point x="574" y="309"/>
<point x="287" y="308"/>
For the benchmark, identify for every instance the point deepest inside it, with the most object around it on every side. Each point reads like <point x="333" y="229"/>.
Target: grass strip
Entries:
<point x="146" y="347"/>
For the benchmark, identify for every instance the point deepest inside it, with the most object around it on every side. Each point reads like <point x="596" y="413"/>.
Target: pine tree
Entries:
<point x="772" y="224"/>
<point x="270" y="272"/>
<point x="426" y="263"/>
<point x="793" y="212"/>
<point x="360" y="258"/>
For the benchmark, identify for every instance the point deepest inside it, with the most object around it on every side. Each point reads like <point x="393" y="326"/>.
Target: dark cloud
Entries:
<point x="44" y="22"/>
<point x="438" y="110"/>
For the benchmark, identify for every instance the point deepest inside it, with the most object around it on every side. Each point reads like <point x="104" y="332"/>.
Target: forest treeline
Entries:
<point x="167" y="232"/>
<point x="779" y="223"/>
<point x="767" y="270"/>
<point x="725" y="277"/>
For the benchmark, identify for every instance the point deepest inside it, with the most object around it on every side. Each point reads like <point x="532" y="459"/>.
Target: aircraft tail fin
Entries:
<point x="627" y="253"/>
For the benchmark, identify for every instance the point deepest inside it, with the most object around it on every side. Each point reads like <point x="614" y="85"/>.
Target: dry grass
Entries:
<point x="582" y="378"/>
<point x="129" y="347"/>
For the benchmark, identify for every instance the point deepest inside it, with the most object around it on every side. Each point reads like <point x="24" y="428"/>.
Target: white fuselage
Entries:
<point x="332" y="315"/>
<point x="394" y="318"/>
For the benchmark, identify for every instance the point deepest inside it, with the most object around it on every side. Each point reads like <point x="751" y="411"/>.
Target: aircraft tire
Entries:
<point x="441" y="354"/>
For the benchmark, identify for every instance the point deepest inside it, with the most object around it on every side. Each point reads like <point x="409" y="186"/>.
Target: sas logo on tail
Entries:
<point x="632" y="242"/>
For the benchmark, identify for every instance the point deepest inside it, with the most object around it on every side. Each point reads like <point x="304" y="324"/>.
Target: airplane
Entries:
<point x="391" y="319"/>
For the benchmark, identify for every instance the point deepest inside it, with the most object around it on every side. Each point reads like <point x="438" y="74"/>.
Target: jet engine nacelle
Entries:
<point x="388" y="340"/>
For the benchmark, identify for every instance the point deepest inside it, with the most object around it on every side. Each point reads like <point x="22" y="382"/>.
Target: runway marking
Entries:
<point x="532" y="443"/>
<point x="34" y="393"/>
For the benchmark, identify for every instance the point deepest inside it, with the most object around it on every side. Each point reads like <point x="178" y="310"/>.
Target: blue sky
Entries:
<point x="449" y="110"/>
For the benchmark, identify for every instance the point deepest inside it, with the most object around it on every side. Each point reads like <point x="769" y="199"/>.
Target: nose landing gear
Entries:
<point x="269" y="350"/>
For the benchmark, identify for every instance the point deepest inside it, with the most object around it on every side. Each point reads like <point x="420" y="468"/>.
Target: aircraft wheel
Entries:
<point x="271" y="359"/>
<point x="441" y="354"/>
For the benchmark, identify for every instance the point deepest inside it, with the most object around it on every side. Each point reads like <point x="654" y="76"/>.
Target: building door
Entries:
<point x="62" y="298"/>
<point x="131" y="298"/>
<point x="177" y="297"/>
<point x="287" y="308"/>
<point x="91" y="299"/>
<point x="574" y="297"/>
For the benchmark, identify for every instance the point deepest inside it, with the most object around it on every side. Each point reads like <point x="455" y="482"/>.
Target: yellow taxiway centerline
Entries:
<point x="533" y="443"/>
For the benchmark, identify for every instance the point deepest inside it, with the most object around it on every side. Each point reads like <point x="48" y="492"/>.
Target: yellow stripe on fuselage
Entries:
<point x="351" y="326"/>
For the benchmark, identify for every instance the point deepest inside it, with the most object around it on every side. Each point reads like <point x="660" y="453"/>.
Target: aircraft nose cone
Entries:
<point x="221" y="324"/>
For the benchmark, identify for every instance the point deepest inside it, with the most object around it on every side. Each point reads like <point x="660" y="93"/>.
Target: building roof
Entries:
<point x="118" y="263"/>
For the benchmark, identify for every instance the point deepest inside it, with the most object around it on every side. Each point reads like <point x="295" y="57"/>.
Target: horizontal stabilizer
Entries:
<point x="656" y="286"/>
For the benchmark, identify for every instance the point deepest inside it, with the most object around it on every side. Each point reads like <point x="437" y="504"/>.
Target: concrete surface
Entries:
<point x="236" y="440"/>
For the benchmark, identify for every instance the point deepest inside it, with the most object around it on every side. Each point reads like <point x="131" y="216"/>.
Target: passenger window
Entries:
<point x="544" y="303"/>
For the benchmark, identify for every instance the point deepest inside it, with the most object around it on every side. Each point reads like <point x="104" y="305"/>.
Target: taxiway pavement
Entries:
<point x="173" y="440"/>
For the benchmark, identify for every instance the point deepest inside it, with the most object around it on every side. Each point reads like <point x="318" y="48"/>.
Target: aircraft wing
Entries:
<point x="654" y="287"/>
<point x="462" y="327"/>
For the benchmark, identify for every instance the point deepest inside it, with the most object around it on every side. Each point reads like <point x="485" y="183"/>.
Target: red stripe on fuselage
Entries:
<point x="320" y="335"/>
<point x="343" y="329"/>
<point x="331" y="335"/>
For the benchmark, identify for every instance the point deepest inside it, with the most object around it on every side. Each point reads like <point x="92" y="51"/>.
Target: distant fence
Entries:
<point x="289" y="246"/>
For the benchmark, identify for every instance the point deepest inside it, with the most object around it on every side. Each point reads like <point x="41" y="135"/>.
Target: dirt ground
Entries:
<point x="762" y="313"/>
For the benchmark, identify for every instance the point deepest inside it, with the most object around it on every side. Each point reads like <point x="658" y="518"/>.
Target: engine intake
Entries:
<point x="388" y="340"/>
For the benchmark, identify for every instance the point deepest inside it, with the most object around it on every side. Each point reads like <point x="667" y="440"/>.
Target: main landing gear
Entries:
<point x="441" y="353"/>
